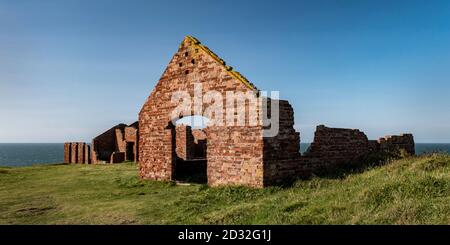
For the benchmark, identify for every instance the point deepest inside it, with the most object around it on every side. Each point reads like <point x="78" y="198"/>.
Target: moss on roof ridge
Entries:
<point x="195" y="42"/>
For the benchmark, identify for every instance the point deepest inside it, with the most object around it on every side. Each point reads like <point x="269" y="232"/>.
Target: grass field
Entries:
<point x="409" y="191"/>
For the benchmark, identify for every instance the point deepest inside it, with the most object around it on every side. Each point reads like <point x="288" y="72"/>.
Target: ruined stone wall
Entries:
<point x="184" y="142"/>
<point x="396" y="143"/>
<point x="105" y="144"/>
<point x="235" y="156"/>
<point x="374" y="146"/>
<point x="67" y="152"/>
<point x="73" y="152"/>
<point x="200" y="141"/>
<point x="230" y="162"/>
<point x="87" y="154"/>
<point x="198" y="135"/>
<point x="77" y="152"/>
<point x="190" y="143"/>
<point x="131" y="136"/>
<point x="80" y="151"/>
<point x="238" y="155"/>
<point x="333" y="147"/>
<point x="120" y="140"/>
<point x="282" y="152"/>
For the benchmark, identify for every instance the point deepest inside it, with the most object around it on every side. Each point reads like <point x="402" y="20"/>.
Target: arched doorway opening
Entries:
<point x="190" y="149"/>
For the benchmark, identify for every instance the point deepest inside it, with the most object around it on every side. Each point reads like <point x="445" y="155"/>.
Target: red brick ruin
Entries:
<point x="237" y="155"/>
<point x="116" y="145"/>
<point x="225" y="155"/>
<point x="77" y="152"/>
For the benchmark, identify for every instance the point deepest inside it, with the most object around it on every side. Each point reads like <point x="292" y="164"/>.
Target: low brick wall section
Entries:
<point x="397" y="143"/>
<point x="67" y="153"/>
<point x="77" y="152"/>
<point x="336" y="146"/>
<point x="281" y="153"/>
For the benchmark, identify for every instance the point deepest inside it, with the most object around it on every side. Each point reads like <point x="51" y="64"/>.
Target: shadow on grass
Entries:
<point x="360" y="166"/>
<point x="344" y="170"/>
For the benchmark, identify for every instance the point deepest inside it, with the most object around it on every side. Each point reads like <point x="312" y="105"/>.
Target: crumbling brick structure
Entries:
<point x="199" y="144"/>
<point x="236" y="155"/>
<point x="77" y="152"/>
<point x="336" y="147"/>
<point x="116" y="145"/>
<point x="333" y="147"/>
<point x="184" y="142"/>
<point x="397" y="143"/>
<point x="190" y="143"/>
<point x="190" y="153"/>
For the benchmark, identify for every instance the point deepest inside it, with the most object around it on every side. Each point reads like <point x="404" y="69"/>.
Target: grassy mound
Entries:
<point x="414" y="190"/>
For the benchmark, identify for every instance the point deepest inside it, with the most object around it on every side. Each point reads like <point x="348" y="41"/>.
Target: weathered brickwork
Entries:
<point x="131" y="142"/>
<point x="230" y="160"/>
<point x="200" y="144"/>
<point x="282" y="152"/>
<point x="87" y="154"/>
<point x="397" y="143"/>
<point x="190" y="143"/>
<point x="238" y="155"/>
<point x="118" y="139"/>
<point x="81" y="155"/>
<point x="67" y="152"/>
<point x="335" y="146"/>
<point x="184" y="142"/>
<point x="198" y="135"/>
<point x="105" y="144"/>
<point x="76" y="152"/>
<point x="235" y="156"/>
<point x="73" y="152"/>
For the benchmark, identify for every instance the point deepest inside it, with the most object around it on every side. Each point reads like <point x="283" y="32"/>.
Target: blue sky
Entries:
<point x="70" y="69"/>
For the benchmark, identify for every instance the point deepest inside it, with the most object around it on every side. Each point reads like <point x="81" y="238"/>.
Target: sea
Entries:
<point x="27" y="154"/>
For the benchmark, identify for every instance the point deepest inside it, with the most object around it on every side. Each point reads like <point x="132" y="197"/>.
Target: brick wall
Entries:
<point x="116" y="139"/>
<point x="73" y="152"/>
<point x="184" y="142"/>
<point x="120" y="140"/>
<point x="76" y="152"/>
<point x="81" y="155"/>
<point x="105" y="144"/>
<point x="395" y="143"/>
<point x="87" y="154"/>
<point x="190" y="143"/>
<point x="238" y="155"/>
<point x="333" y="147"/>
<point x="282" y="152"/>
<point x="131" y="136"/>
<point x="235" y="156"/>
<point x="200" y="143"/>
<point x="237" y="161"/>
<point x="67" y="152"/>
<point x="198" y="135"/>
